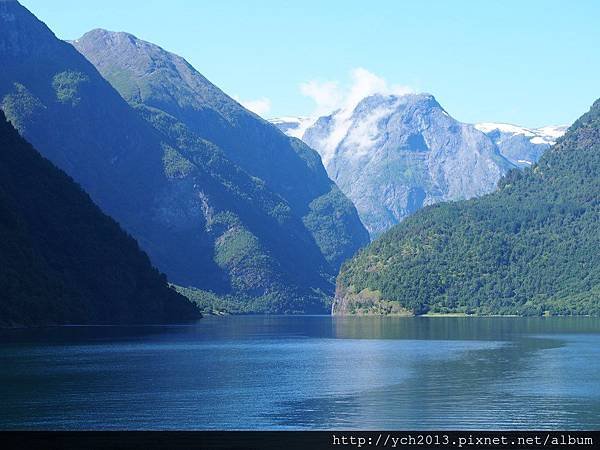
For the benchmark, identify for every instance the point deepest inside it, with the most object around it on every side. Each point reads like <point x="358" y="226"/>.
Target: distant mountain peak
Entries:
<point x="392" y="154"/>
<point x="424" y="100"/>
<point x="387" y="151"/>
<point x="119" y="39"/>
<point x="297" y="126"/>
<point x="105" y="32"/>
<point x="542" y="135"/>
<point x="521" y="145"/>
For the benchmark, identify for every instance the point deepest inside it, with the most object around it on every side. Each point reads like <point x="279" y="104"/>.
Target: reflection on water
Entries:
<point x="305" y="373"/>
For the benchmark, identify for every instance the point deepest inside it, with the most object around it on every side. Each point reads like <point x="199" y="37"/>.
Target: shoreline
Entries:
<point x="345" y="316"/>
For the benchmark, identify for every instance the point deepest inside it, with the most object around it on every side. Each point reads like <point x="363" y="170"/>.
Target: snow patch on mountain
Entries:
<point x="522" y="146"/>
<point x="488" y="127"/>
<point x="544" y="135"/>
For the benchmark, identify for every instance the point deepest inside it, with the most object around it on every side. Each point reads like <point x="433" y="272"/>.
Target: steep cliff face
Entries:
<point x="530" y="248"/>
<point x="148" y="76"/>
<point x="392" y="155"/>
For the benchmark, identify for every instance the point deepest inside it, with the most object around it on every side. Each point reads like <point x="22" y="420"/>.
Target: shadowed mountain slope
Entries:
<point x="62" y="261"/>
<point x="203" y="219"/>
<point x="151" y="78"/>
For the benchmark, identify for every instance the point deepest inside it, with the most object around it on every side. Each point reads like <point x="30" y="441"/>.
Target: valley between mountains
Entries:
<point x="134" y="190"/>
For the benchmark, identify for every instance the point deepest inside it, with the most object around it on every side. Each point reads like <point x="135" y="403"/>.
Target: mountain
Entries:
<point x="532" y="247"/>
<point x="270" y="243"/>
<point x="392" y="155"/>
<point x="521" y="146"/>
<point x="62" y="261"/>
<point x="160" y="82"/>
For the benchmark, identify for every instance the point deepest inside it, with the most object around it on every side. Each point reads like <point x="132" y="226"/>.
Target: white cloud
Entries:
<point x="327" y="95"/>
<point x="363" y="134"/>
<point x="330" y="96"/>
<point x="260" y="106"/>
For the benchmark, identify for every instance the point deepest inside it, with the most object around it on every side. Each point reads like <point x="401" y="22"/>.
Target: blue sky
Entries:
<point x="530" y="63"/>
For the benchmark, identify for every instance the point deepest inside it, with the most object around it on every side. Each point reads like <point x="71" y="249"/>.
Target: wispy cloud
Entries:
<point x="331" y="96"/>
<point x="327" y="95"/>
<point x="260" y="106"/>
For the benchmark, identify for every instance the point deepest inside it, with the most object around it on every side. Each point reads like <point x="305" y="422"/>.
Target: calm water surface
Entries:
<point x="306" y="373"/>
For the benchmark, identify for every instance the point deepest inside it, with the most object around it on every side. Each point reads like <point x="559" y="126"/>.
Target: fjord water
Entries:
<point x="311" y="372"/>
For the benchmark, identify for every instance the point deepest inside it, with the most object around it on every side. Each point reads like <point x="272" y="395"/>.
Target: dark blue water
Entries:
<point x="306" y="373"/>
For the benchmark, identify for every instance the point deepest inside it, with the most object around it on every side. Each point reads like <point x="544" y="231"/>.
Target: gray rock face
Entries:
<point x="392" y="155"/>
<point x="395" y="154"/>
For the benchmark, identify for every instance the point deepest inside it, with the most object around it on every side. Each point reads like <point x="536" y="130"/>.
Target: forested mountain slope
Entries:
<point x="531" y="247"/>
<point x="202" y="218"/>
<point x="62" y="261"/>
<point x="160" y="82"/>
